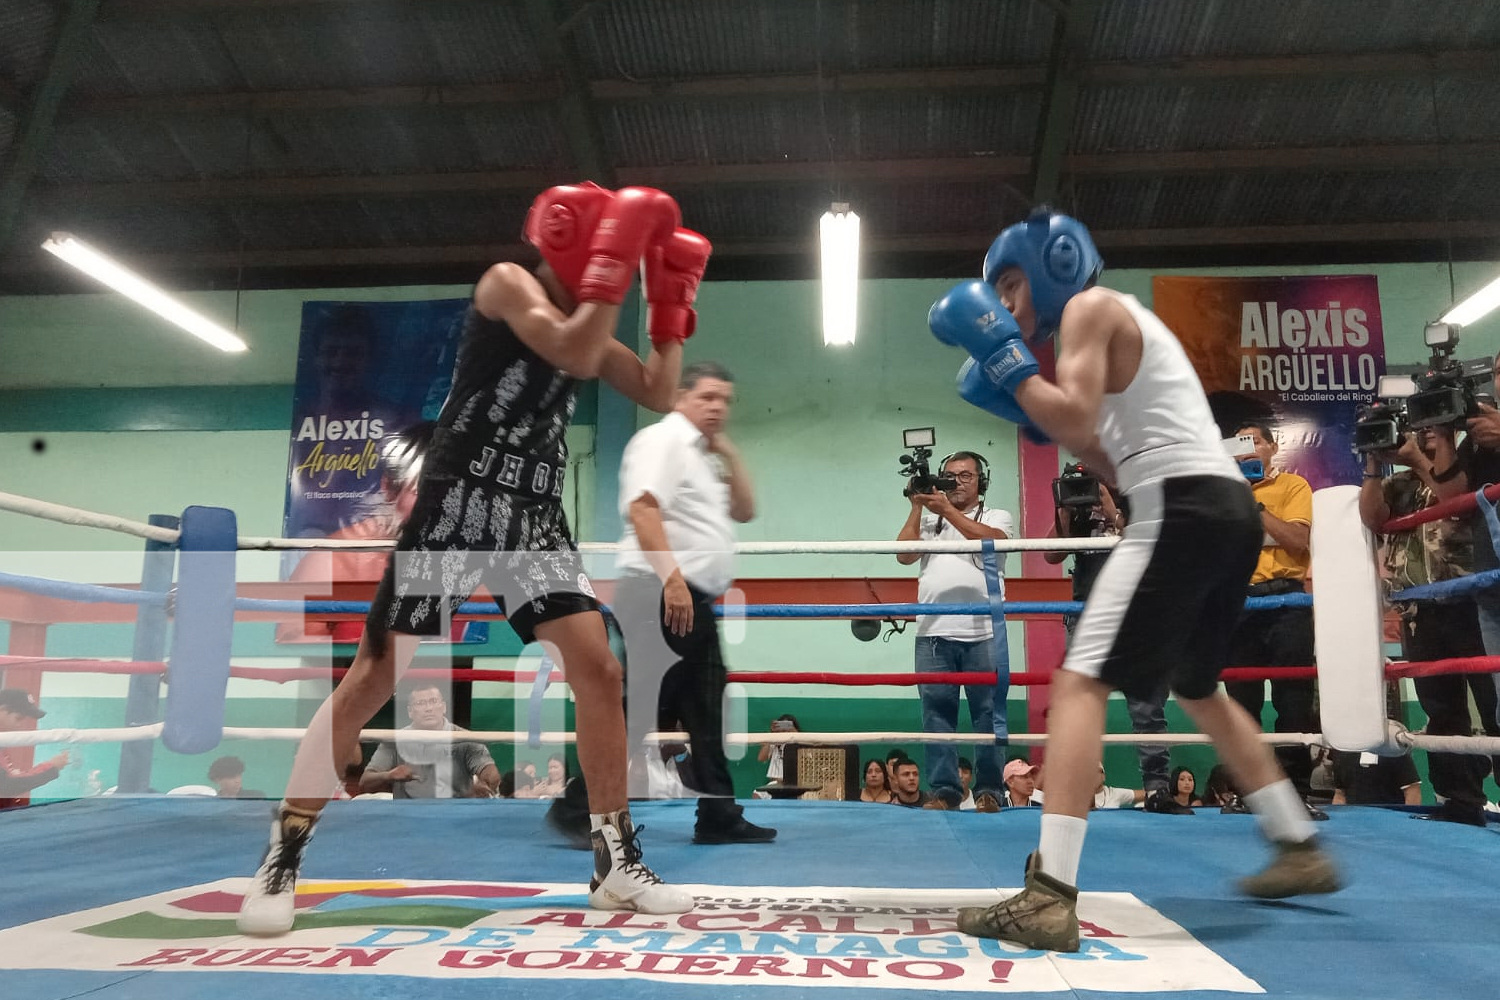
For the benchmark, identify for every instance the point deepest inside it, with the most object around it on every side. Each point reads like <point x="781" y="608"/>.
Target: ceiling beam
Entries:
<point x="990" y="79"/>
<point x="580" y="124"/>
<point x="1010" y="169"/>
<point x="1108" y="239"/>
<point x="1072" y="31"/>
<point x="34" y="131"/>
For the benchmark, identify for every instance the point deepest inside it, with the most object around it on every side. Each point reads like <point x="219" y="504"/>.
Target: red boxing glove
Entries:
<point x="673" y="270"/>
<point x="634" y="218"/>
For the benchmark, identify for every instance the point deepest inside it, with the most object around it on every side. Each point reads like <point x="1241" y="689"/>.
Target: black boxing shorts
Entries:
<point x="1167" y="599"/>
<point x="463" y="535"/>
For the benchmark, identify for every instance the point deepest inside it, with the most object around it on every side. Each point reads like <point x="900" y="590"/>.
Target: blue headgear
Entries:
<point x="1059" y="259"/>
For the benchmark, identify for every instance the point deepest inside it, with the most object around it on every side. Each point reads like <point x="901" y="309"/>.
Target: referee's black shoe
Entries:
<point x="741" y="831"/>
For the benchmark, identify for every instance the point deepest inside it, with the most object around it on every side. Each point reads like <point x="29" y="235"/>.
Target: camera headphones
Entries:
<point x="980" y="465"/>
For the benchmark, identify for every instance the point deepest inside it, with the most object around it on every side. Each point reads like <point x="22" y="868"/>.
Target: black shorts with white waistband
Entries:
<point x="1166" y="602"/>
<point x="464" y="535"/>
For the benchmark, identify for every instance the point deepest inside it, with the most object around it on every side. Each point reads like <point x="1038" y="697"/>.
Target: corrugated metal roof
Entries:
<point x="26" y="31"/>
<point x="1174" y="29"/>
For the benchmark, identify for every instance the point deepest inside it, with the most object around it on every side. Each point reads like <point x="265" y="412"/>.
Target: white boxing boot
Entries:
<point x="621" y="881"/>
<point x="270" y="903"/>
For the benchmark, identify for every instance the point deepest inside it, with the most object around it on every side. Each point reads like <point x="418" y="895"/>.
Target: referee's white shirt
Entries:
<point x="671" y="461"/>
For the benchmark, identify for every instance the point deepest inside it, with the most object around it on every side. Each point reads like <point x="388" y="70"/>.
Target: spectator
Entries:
<point x="1105" y="796"/>
<point x="1322" y="775"/>
<point x="18" y="713"/>
<point x="908" y="789"/>
<point x="773" y="754"/>
<point x="1480" y="453"/>
<point x="1367" y="779"/>
<point x="891" y="760"/>
<point x="1279" y="637"/>
<point x="1020" y="783"/>
<point x="1185" y="788"/>
<point x="227" y="774"/>
<point x="1105" y="518"/>
<point x="877" y="786"/>
<point x="1434" y="629"/>
<point x="411" y="769"/>
<point x="960" y="643"/>
<point x="551" y="786"/>
<point x="966" y="780"/>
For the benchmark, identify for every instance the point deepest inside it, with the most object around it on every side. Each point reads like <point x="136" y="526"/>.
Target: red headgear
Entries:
<point x="561" y="223"/>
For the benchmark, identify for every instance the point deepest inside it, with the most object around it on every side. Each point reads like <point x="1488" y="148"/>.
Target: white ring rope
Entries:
<point x="91" y="519"/>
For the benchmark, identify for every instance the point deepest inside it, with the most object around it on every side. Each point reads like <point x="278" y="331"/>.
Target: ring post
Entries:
<point x="198" y="676"/>
<point x="143" y="700"/>
<point x="1347" y="623"/>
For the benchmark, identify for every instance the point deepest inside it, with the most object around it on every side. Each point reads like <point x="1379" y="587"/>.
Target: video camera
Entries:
<point x="916" y="465"/>
<point x="1442" y="395"/>
<point x="1075" y="488"/>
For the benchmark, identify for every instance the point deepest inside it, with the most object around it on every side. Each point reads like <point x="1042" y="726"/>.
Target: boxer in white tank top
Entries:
<point x="1125" y="401"/>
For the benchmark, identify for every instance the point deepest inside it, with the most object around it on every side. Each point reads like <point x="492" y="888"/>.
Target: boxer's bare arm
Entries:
<point x="576" y="343"/>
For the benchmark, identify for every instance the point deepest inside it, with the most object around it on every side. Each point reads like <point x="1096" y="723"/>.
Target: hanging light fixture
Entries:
<point x="1475" y="307"/>
<point x="838" y="232"/>
<point x="131" y="285"/>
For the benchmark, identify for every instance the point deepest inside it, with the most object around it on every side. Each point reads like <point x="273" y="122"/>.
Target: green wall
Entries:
<point x="105" y="409"/>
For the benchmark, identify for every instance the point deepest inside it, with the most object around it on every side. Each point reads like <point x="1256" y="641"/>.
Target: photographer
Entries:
<point x="1434" y="629"/>
<point x="1480" y="453"/>
<point x="1278" y="637"/>
<point x="959" y="643"/>
<point x="1087" y="508"/>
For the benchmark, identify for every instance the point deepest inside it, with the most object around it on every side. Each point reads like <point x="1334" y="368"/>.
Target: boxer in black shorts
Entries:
<point x="488" y="513"/>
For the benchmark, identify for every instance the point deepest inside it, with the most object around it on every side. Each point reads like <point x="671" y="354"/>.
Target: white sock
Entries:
<point x="1281" y="813"/>
<point x="1062" y="846"/>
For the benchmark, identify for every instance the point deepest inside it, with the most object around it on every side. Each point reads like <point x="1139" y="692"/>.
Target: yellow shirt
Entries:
<point x="1289" y="497"/>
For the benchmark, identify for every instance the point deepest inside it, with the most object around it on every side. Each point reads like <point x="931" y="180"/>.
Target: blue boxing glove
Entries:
<point x="971" y="316"/>
<point x="975" y="389"/>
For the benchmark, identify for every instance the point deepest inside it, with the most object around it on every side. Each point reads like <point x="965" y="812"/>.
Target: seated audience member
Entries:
<point x="896" y="754"/>
<point x="1020" y="777"/>
<point x="552" y="786"/>
<point x="1367" y="779"/>
<point x="18" y="713"/>
<point x="1105" y="796"/>
<point x="877" y="787"/>
<point x="966" y="784"/>
<point x="1321" y="781"/>
<point x="412" y="769"/>
<point x="227" y="774"/>
<point x="908" y="791"/>
<point x="1185" y="787"/>
<point x="773" y="755"/>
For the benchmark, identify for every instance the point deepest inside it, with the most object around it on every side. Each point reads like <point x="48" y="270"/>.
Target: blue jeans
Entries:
<point x="1147" y="715"/>
<point x="1489" y="628"/>
<point x="940" y="709"/>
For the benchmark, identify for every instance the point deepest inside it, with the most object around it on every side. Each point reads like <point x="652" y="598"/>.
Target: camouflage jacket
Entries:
<point x="1438" y="550"/>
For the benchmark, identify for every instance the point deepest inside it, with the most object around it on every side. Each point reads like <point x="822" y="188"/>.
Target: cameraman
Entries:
<point x="1434" y="629"/>
<point x="959" y="643"/>
<point x="1278" y="637"/>
<point x="1105" y="518"/>
<point x="1480" y="453"/>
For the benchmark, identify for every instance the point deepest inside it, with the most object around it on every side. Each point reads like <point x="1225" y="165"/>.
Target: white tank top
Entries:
<point x="1161" y="426"/>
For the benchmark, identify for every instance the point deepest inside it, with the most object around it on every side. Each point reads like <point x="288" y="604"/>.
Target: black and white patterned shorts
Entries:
<point x="464" y="535"/>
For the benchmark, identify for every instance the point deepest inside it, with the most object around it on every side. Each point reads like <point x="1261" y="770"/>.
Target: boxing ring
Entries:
<point x="134" y="895"/>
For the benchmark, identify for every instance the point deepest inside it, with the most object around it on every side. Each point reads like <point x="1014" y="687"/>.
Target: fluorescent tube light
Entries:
<point x="838" y="232"/>
<point x="1475" y="307"/>
<point x="131" y="285"/>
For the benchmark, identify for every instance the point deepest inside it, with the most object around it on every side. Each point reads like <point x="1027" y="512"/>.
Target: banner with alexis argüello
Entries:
<point x="366" y="371"/>
<point x="1299" y="353"/>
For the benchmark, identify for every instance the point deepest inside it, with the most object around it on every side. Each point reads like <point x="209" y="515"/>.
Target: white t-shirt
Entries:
<point x="958" y="578"/>
<point x="670" y="460"/>
<point x="1108" y="797"/>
